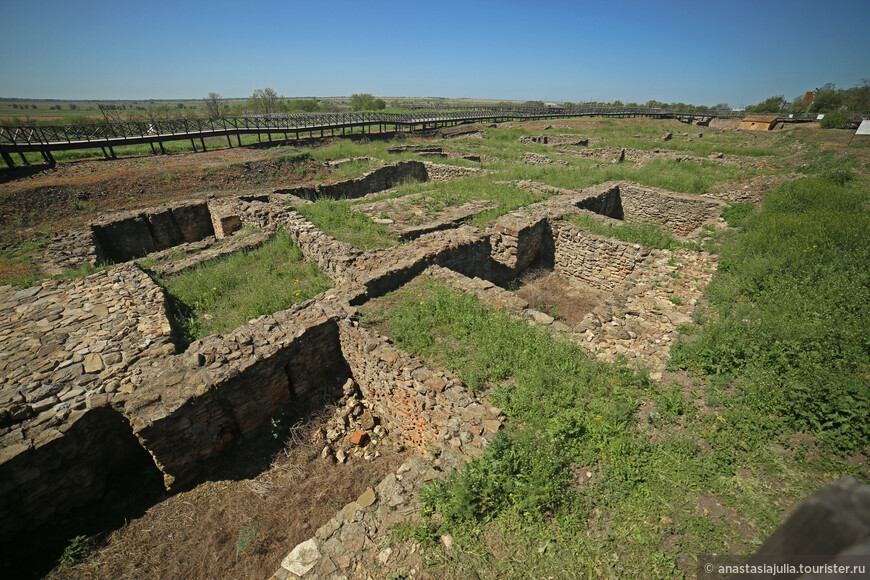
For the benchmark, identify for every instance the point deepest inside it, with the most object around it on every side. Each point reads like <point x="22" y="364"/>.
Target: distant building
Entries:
<point x="758" y="122"/>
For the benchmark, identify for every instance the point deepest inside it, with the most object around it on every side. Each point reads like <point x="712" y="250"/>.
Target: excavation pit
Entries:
<point x="107" y="343"/>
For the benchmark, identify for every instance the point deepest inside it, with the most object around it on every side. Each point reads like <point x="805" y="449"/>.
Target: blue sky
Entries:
<point x="698" y="52"/>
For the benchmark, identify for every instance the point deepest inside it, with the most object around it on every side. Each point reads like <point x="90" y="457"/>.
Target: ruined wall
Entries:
<point x="607" y="203"/>
<point x="518" y="240"/>
<point x="401" y="390"/>
<point x="68" y="466"/>
<point x="375" y="180"/>
<point x="599" y="261"/>
<point x="441" y="172"/>
<point x="191" y="408"/>
<point x="464" y="249"/>
<point x="680" y="213"/>
<point x="122" y="237"/>
<point x="434" y="413"/>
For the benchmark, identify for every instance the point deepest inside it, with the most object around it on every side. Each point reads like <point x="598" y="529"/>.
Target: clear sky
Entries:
<point x="701" y="52"/>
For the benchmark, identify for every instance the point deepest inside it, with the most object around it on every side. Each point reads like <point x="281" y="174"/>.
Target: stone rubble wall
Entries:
<point x="69" y="250"/>
<point x="68" y="350"/>
<point x="192" y="407"/>
<point x="538" y="159"/>
<point x="599" y="261"/>
<point x="679" y="213"/>
<point x="436" y="413"/>
<point x="558" y="139"/>
<point x="464" y="249"/>
<point x="67" y="465"/>
<point x="129" y="235"/>
<point x="517" y="239"/>
<point x="411" y="216"/>
<point x="440" y="172"/>
<point x="375" y="180"/>
<point x="640" y="318"/>
<point x="196" y="253"/>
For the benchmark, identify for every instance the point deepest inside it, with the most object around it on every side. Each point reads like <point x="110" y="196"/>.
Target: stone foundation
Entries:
<point x="92" y="380"/>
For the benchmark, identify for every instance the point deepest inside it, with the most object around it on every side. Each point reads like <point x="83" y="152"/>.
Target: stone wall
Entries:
<point x="375" y="180"/>
<point x="518" y="239"/>
<point x="680" y="213"/>
<point x="556" y="139"/>
<point x="442" y="172"/>
<point x="436" y="414"/>
<point x="191" y="409"/>
<point x="135" y="234"/>
<point x="606" y="203"/>
<point x="67" y="466"/>
<point x="599" y="261"/>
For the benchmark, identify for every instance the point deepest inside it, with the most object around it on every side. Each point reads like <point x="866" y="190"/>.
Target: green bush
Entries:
<point x="835" y="120"/>
<point x="519" y="473"/>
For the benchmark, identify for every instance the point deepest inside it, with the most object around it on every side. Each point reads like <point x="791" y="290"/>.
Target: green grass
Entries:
<point x="646" y="234"/>
<point x="791" y="309"/>
<point x="336" y="218"/>
<point x="217" y="297"/>
<point x="642" y="515"/>
<point x="353" y="169"/>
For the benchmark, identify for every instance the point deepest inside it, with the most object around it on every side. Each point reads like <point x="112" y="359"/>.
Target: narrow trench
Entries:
<point x="131" y="483"/>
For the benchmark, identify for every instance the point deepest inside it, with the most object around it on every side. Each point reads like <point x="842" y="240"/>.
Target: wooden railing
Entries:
<point x="107" y="135"/>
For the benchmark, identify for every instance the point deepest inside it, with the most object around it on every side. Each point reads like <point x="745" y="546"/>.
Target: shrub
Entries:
<point x="835" y="120"/>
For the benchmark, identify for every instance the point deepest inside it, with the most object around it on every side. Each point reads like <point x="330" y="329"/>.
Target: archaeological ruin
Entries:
<point x="93" y="381"/>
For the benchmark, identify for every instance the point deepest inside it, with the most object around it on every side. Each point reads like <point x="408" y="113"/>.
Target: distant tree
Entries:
<point x="306" y="105"/>
<point x="361" y="102"/>
<point x="179" y="106"/>
<point x="770" y="105"/>
<point x="265" y="101"/>
<point x="73" y="106"/>
<point x="379" y="105"/>
<point x="857" y="99"/>
<point x="33" y="107"/>
<point x="826" y="101"/>
<point x="215" y="107"/>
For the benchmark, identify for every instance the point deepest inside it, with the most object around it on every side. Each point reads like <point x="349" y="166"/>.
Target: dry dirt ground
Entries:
<point x="236" y="526"/>
<point x="565" y="300"/>
<point x="68" y="195"/>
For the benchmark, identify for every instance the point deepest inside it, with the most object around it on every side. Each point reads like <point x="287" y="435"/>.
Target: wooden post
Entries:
<point x="8" y="159"/>
<point x="202" y="140"/>
<point x="229" y="141"/>
<point x="153" y="150"/>
<point x="239" y="139"/>
<point x="105" y="154"/>
<point x="193" y="144"/>
<point x="112" y="152"/>
<point x="162" y="150"/>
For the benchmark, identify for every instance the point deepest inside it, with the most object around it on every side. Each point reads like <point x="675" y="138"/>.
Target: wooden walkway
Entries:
<point x="18" y="140"/>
